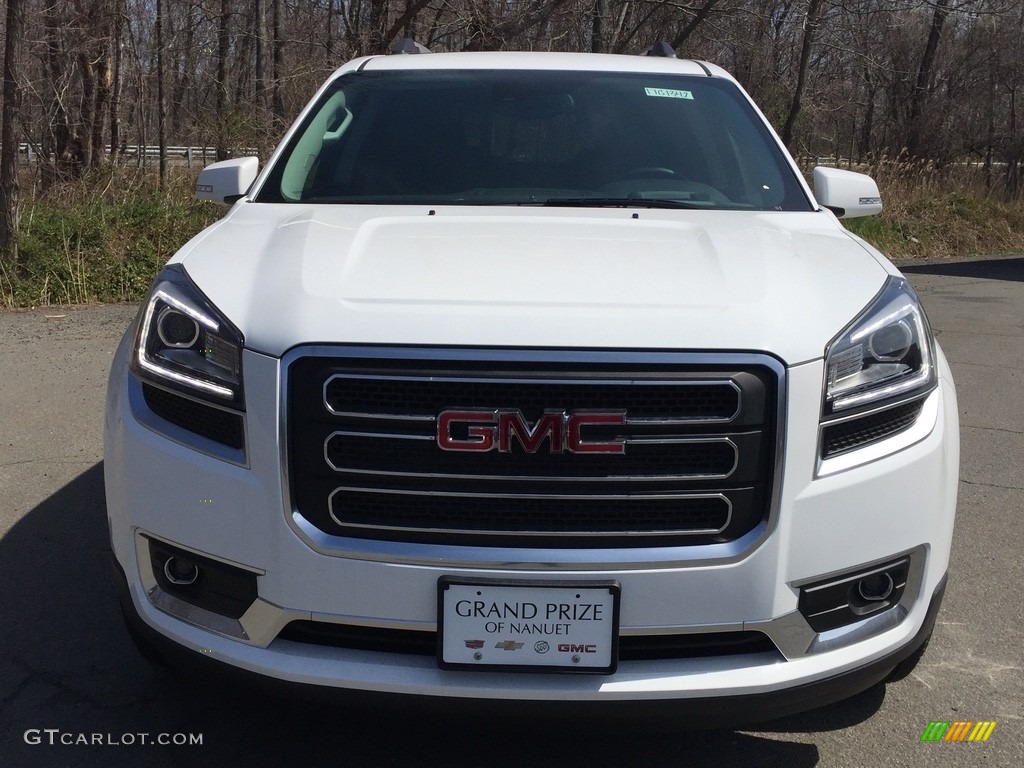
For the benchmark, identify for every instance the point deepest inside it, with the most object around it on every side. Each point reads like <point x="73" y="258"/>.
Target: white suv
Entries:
<point x="521" y="376"/>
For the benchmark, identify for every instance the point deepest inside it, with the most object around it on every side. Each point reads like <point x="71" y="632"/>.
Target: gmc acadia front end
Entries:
<point x="535" y="377"/>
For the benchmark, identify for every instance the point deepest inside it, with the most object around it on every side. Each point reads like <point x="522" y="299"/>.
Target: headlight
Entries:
<point x="885" y="356"/>
<point x="184" y="343"/>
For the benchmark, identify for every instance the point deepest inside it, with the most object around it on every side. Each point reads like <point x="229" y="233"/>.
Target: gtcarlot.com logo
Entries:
<point x="960" y="730"/>
<point x="57" y="737"/>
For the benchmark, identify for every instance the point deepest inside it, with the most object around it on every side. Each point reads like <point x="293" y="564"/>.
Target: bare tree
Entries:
<point x="223" y="51"/>
<point x="260" y="40"/>
<point x="8" y="133"/>
<point x="692" y="25"/>
<point x="810" y="27"/>
<point x="942" y="77"/>
<point x="600" y="31"/>
<point x="278" y="73"/>
<point x="115" y="90"/>
<point x="924" y="76"/>
<point x="161" y="99"/>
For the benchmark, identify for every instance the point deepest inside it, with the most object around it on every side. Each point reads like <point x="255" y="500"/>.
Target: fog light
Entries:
<point x="215" y="586"/>
<point x="181" y="571"/>
<point x="849" y="597"/>
<point x="876" y="587"/>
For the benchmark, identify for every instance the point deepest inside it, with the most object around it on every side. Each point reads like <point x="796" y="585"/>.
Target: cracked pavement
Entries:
<point x="66" y="663"/>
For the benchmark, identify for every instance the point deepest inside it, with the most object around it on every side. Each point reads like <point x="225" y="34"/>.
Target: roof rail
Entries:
<point x="661" y="48"/>
<point x="408" y="45"/>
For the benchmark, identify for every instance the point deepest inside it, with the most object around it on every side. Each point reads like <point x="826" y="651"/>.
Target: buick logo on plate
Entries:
<point x="498" y="430"/>
<point x="541" y="646"/>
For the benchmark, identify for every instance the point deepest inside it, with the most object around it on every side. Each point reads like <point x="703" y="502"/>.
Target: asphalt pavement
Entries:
<point x="69" y="673"/>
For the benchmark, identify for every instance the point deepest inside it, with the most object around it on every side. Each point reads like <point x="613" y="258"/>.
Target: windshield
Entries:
<point x="534" y="138"/>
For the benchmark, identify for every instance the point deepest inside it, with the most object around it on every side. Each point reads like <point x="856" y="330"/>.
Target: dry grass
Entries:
<point x="940" y="213"/>
<point x="101" y="238"/>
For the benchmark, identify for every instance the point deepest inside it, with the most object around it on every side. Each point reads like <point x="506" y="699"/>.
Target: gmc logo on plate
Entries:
<point x="497" y="430"/>
<point x="573" y="648"/>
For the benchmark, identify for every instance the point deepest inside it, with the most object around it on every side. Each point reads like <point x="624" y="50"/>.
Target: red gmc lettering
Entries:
<point x="497" y="430"/>
<point x="480" y="438"/>
<point x="579" y="420"/>
<point x="512" y="423"/>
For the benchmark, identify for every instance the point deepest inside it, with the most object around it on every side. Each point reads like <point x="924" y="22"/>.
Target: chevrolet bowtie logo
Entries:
<point x="508" y="645"/>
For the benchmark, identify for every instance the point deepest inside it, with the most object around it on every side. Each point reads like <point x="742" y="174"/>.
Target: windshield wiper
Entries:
<point x="617" y="202"/>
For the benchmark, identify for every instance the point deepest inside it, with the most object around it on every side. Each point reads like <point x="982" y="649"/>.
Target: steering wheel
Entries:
<point x="648" y="172"/>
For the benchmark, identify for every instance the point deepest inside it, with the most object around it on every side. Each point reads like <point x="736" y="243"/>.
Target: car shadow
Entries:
<point x="1009" y="268"/>
<point x="66" y="663"/>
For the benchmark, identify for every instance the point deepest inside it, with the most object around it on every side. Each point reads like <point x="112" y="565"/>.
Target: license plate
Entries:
<point x="520" y="625"/>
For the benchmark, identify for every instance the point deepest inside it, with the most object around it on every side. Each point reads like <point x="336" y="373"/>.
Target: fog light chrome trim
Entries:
<point x="169" y="571"/>
<point x="258" y="626"/>
<point x="876" y="595"/>
<point x="793" y="635"/>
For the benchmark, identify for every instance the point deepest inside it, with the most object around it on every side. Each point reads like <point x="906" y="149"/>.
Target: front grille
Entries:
<point x="424" y="643"/>
<point x="365" y="459"/>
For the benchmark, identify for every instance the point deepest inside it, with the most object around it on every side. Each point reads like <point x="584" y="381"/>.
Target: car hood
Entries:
<point x="782" y="283"/>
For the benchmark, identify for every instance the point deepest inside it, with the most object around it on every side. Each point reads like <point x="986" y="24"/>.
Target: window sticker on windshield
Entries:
<point x="668" y="93"/>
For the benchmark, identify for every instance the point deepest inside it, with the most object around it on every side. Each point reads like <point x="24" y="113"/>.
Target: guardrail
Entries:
<point x="201" y="156"/>
<point x="831" y="161"/>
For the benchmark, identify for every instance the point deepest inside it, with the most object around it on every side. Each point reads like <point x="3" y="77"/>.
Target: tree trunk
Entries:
<point x="243" y="55"/>
<point x="81" y="140"/>
<point x="104" y="82"/>
<point x="8" y="134"/>
<point x="810" y="27"/>
<point x="924" y="77"/>
<point x="223" y="49"/>
<point x="683" y="35"/>
<point x="260" y="39"/>
<point x="278" y="63"/>
<point x="161" y="100"/>
<point x="141" y="106"/>
<point x="377" y="42"/>
<point x="599" y="28"/>
<point x="57" y="134"/>
<point x="329" y="42"/>
<point x="866" y="128"/>
<point x="115" y="90"/>
<point x="1014" y="170"/>
<point x="184" y="67"/>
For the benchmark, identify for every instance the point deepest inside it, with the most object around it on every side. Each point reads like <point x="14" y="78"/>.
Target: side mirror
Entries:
<point x="845" y="193"/>
<point x="228" y="180"/>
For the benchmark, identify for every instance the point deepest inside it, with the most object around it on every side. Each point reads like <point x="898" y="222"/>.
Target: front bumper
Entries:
<point x="704" y="711"/>
<point x="829" y="519"/>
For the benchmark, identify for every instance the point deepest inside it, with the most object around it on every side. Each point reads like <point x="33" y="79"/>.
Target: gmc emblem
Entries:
<point x="496" y="430"/>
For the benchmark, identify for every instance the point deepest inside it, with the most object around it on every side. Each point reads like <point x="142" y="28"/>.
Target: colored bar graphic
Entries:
<point x="959" y="730"/>
<point x="982" y="731"/>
